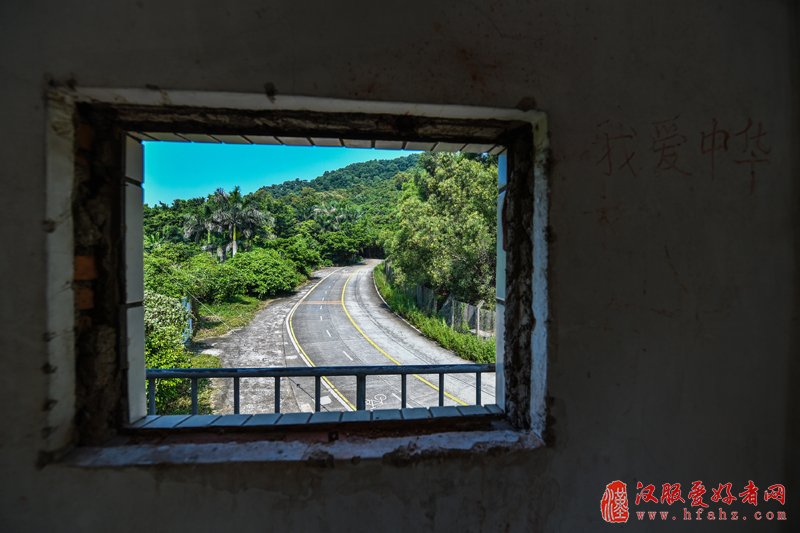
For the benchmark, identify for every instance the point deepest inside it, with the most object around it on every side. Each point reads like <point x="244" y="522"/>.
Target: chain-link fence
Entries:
<point x="461" y="316"/>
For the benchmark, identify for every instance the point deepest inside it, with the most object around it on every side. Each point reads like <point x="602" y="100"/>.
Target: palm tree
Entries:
<point x="332" y="215"/>
<point x="199" y="225"/>
<point x="236" y="216"/>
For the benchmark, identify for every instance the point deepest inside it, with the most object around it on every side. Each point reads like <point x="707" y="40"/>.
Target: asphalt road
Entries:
<point x="264" y="342"/>
<point x="343" y="321"/>
<point x="336" y="319"/>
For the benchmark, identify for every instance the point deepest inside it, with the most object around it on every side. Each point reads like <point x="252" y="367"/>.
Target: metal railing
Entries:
<point x="318" y="373"/>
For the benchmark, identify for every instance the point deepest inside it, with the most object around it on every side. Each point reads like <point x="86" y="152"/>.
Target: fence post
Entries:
<point x="478" y="319"/>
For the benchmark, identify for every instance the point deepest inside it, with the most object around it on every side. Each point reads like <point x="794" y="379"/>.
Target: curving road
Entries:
<point x="343" y="321"/>
<point x="337" y="319"/>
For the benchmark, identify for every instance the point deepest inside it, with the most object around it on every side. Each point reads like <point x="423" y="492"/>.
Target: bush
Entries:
<point x="304" y="252"/>
<point x="338" y="247"/>
<point x="164" y="321"/>
<point x="263" y="272"/>
<point x="465" y="345"/>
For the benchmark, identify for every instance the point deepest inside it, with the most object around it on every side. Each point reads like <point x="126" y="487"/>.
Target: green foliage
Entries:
<point x="339" y="247"/>
<point x="367" y="173"/>
<point x="465" y="345"/>
<point x="445" y="233"/>
<point x="215" y="319"/>
<point x="163" y="273"/>
<point x="264" y="272"/>
<point x="433" y="213"/>
<point x="302" y="250"/>
<point x="164" y="322"/>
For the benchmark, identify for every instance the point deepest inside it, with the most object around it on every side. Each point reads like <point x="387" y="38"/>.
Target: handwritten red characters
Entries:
<point x="616" y="142"/>
<point x="666" y="141"/>
<point x="755" y="150"/>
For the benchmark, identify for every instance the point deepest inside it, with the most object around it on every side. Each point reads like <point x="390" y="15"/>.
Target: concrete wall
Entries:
<point x="674" y="291"/>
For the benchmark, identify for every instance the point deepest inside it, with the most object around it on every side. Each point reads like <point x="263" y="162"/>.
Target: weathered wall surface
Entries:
<point x="675" y="229"/>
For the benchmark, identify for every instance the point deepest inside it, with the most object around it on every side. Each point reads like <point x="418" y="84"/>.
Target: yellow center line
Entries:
<point x="389" y="357"/>
<point x="310" y="362"/>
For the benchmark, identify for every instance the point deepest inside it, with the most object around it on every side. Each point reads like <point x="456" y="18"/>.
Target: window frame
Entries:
<point x="88" y="133"/>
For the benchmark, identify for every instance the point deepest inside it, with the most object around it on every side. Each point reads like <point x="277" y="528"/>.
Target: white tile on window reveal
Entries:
<point x="326" y="141"/>
<point x="502" y="170"/>
<point x="499" y="334"/>
<point x="135" y="327"/>
<point x="165" y="136"/>
<point x="231" y="139"/>
<point x="262" y="139"/>
<point x="134" y="159"/>
<point x="420" y="145"/>
<point x="134" y="268"/>
<point x="389" y="145"/>
<point x="295" y="141"/>
<point x="477" y="148"/>
<point x="139" y="135"/>
<point x="357" y="143"/>
<point x="501" y="254"/>
<point x="448" y="147"/>
<point x="199" y="138"/>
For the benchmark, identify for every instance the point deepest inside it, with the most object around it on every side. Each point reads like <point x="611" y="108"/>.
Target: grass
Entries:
<point x="182" y="404"/>
<point x="219" y="318"/>
<point x="465" y="345"/>
<point x="214" y="320"/>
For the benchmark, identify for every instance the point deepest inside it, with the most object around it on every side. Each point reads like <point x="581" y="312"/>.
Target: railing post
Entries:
<point x="477" y="388"/>
<point x="317" y="393"/>
<point x="403" y="390"/>
<point x="277" y="394"/>
<point x="194" y="396"/>
<point x="151" y="396"/>
<point x="361" y="392"/>
<point x="236" y="396"/>
<point x="441" y="388"/>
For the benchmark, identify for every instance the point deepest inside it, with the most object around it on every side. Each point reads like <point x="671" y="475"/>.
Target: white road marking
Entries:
<point x="291" y="357"/>
<point x="398" y="397"/>
<point x="325" y="400"/>
<point x="347" y="355"/>
<point x="328" y="332"/>
<point x="320" y="317"/>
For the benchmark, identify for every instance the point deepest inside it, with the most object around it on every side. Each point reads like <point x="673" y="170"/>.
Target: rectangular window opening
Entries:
<point x="337" y="356"/>
<point x="366" y="291"/>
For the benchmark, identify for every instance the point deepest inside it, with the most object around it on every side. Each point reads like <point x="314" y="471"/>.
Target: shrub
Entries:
<point x="338" y="247"/>
<point x="264" y="272"/>
<point x="304" y="252"/>
<point x="164" y="322"/>
<point x="465" y="345"/>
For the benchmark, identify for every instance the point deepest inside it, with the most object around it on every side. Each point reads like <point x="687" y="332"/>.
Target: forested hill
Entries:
<point x="367" y="173"/>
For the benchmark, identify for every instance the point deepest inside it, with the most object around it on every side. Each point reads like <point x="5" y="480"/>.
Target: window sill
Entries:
<point x="394" y="441"/>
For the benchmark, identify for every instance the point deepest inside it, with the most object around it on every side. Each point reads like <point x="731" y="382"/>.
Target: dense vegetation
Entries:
<point x="433" y="213"/>
<point x="445" y="221"/>
<point x="463" y="343"/>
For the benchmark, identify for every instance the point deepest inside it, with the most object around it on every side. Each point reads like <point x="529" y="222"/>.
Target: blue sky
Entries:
<point x="189" y="170"/>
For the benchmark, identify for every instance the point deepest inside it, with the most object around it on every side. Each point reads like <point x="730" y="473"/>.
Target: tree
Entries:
<point x="332" y="216"/>
<point x="200" y="224"/>
<point x="445" y="226"/>
<point x="235" y="216"/>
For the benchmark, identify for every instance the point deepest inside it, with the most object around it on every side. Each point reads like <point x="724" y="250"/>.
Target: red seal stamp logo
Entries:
<point x="614" y="504"/>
